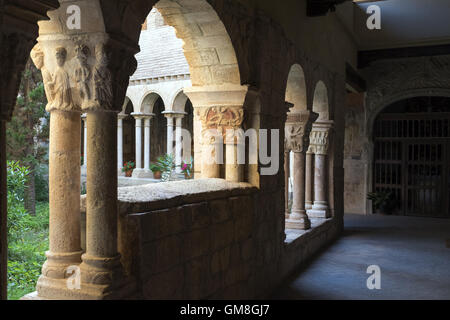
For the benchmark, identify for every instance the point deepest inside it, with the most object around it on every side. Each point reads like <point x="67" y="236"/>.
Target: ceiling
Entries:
<point x="403" y="23"/>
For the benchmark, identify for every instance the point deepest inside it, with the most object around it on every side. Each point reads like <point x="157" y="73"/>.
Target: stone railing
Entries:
<point x="207" y="238"/>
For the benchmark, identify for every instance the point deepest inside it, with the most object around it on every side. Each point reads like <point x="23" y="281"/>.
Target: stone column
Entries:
<point x="234" y="140"/>
<point x="142" y="171"/>
<point x="83" y="168"/>
<point x="64" y="172"/>
<point x="169" y="118"/>
<point x="85" y="70"/>
<point x="320" y="139"/>
<point x="102" y="275"/>
<point x="138" y="121"/>
<point x="147" y="144"/>
<point x="120" y="163"/>
<point x="178" y="143"/>
<point x="218" y="109"/>
<point x="298" y="127"/>
<point x="101" y="262"/>
<point x="286" y="181"/>
<point x="309" y="179"/>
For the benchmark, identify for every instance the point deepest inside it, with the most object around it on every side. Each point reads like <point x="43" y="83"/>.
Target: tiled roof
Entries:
<point x="161" y="51"/>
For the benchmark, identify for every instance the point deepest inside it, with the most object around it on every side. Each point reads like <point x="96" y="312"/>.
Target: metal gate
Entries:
<point x="412" y="160"/>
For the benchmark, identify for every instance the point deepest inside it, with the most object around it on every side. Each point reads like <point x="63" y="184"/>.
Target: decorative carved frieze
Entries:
<point x="76" y="79"/>
<point x="222" y="121"/>
<point x="297" y="129"/>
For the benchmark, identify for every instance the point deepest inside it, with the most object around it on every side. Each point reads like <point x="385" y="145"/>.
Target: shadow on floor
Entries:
<point x="411" y="253"/>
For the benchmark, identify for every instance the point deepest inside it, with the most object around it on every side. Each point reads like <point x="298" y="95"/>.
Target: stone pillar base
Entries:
<point x="120" y="173"/>
<point x="319" y="211"/>
<point x="125" y="290"/>
<point x="142" y="173"/>
<point x="299" y="223"/>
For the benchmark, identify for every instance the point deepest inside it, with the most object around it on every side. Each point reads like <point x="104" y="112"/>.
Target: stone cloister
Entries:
<point x="220" y="234"/>
<point x="288" y="71"/>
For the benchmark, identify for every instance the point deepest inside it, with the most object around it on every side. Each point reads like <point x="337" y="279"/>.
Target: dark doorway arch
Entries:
<point x="412" y="156"/>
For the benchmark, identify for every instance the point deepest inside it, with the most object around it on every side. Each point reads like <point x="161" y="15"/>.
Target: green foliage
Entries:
<point x="41" y="183"/>
<point x="26" y="249"/>
<point x="155" y="168"/>
<point x="27" y="235"/>
<point x="127" y="166"/>
<point x="166" y="163"/>
<point x="16" y="180"/>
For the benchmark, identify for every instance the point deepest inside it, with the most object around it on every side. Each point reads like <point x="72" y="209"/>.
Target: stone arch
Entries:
<point x="148" y="102"/>
<point x="207" y="45"/>
<point x="395" y="97"/>
<point x="296" y="91"/>
<point x="125" y="104"/>
<point x="179" y="102"/>
<point x="321" y="101"/>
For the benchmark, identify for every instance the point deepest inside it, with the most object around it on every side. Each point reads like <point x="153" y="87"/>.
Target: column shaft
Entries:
<point x="298" y="218"/>
<point x="138" y="143"/>
<point x="119" y="143"/>
<point x="147" y="144"/>
<point x="178" y="143"/>
<point x="309" y="181"/>
<point x="101" y="204"/>
<point x="84" y="142"/>
<point x="64" y="190"/>
<point x="286" y="182"/>
<point x="320" y="206"/>
<point x="169" y="135"/>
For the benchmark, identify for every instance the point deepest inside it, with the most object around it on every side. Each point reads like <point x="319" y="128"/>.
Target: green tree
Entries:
<point x="27" y="133"/>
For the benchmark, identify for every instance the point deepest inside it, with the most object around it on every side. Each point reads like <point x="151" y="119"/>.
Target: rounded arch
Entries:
<point x="321" y="102"/>
<point x="296" y="92"/>
<point x="126" y="103"/>
<point x="149" y="100"/>
<point x="391" y="99"/>
<point x="207" y="45"/>
<point x="179" y="102"/>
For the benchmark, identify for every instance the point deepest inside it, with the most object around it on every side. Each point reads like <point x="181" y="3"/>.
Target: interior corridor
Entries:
<point x="412" y="253"/>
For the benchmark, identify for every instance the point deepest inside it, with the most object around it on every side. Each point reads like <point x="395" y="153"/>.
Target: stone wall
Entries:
<point x="210" y="239"/>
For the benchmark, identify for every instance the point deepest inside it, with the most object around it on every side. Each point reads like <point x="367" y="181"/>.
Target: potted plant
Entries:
<point x="382" y="201"/>
<point x="157" y="170"/>
<point x="128" y="168"/>
<point x="167" y="165"/>
<point x="186" y="168"/>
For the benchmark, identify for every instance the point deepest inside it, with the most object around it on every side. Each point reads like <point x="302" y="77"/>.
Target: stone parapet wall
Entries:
<point x="209" y="239"/>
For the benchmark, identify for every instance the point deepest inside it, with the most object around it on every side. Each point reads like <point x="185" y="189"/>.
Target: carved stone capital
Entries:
<point x="320" y="137"/>
<point x="142" y="116"/>
<point x="297" y="129"/>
